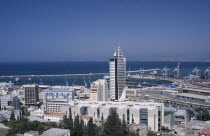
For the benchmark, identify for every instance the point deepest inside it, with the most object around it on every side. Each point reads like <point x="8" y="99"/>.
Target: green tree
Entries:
<point x="12" y="116"/>
<point x="102" y="117"/>
<point x="112" y="126"/>
<point x="124" y="127"/>
<point x="151" y="133"/>
<point x="90" y="128"/>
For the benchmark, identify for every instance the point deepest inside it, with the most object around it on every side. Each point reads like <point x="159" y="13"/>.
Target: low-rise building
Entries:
<point x="56" y="132"/>
<point x="205" y="132"/>
<point x="54" y="117"/>
<point x="38" y="113"/>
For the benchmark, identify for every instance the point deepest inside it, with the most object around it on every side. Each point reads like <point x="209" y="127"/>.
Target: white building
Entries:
<point x="56" y="132"/>
<point x="9" y="102"/>
<point x="117" y="69"/>
<point x="99" y="90"/>
<point x="54" y="117"/>
<point x="38" y="113"/>
<point x="151" y="114"/>
<point x="55" y="106"/>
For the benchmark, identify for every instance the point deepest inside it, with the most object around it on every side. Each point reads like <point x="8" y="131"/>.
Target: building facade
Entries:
<point x="117" y="70"/>
<point x="58" y="94"/>
<point x="150" y="114"/>
<point x="54" y="117"/>
<point x="99" y="90"/>
<point x="31" y="94"/>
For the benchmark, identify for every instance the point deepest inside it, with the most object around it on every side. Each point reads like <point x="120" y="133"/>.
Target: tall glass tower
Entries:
<point x="117" y="73"/>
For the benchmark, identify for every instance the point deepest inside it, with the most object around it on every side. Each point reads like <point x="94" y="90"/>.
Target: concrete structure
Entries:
<point x="151" y="114"/>
<point x="9" y="102"/>
<point x="31" y="94"/>
<point x="56" y="132"/>
<point x="99" y="90"/>
<point x="54" y="117"/>
<point x="58" y="94"/>
<point x="117" y="73"/>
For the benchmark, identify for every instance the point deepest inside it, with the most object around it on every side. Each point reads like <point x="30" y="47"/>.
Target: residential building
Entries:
<point x="117" y="69"/>
<point x="54" y="117"/>
<point x="31" y="94"/>
<point x="56" y="132"/>
<point x="99" y="90"/>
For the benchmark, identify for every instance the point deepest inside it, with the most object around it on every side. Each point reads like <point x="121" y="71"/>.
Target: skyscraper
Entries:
<point x="117" y="70"/>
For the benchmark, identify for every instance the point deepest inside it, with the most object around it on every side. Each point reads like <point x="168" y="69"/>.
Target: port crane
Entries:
<point x="196" y="71"/>
<point x="165" y="71"/>
<point x="177" y="70"/>
<point x="207" y="73"/>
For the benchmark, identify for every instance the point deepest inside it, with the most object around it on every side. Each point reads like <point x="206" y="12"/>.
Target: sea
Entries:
<point x="86" y="67"/>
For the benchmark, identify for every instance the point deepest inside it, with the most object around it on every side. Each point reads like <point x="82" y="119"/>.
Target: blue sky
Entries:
<point x="66" y="30"/>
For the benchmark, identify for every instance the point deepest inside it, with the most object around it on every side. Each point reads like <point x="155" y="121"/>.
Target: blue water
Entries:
<point x="78" y="67"/>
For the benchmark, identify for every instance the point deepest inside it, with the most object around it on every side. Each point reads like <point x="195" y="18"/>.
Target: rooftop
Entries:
<point x="205" y="131"/>
<point x="55" y="132"/>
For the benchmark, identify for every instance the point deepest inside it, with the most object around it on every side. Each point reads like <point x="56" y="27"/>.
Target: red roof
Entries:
<point x="205" y="131"/>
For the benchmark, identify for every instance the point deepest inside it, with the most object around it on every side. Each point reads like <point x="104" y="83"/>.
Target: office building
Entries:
<point x="117" y="69"/>
<point x="31" y="94"/>
<point x="150" y="114"/>
<point x="99" y="90"/>
<point x="58" y="94"/>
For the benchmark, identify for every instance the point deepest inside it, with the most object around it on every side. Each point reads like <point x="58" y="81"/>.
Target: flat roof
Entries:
<point x="55" y="132"/>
